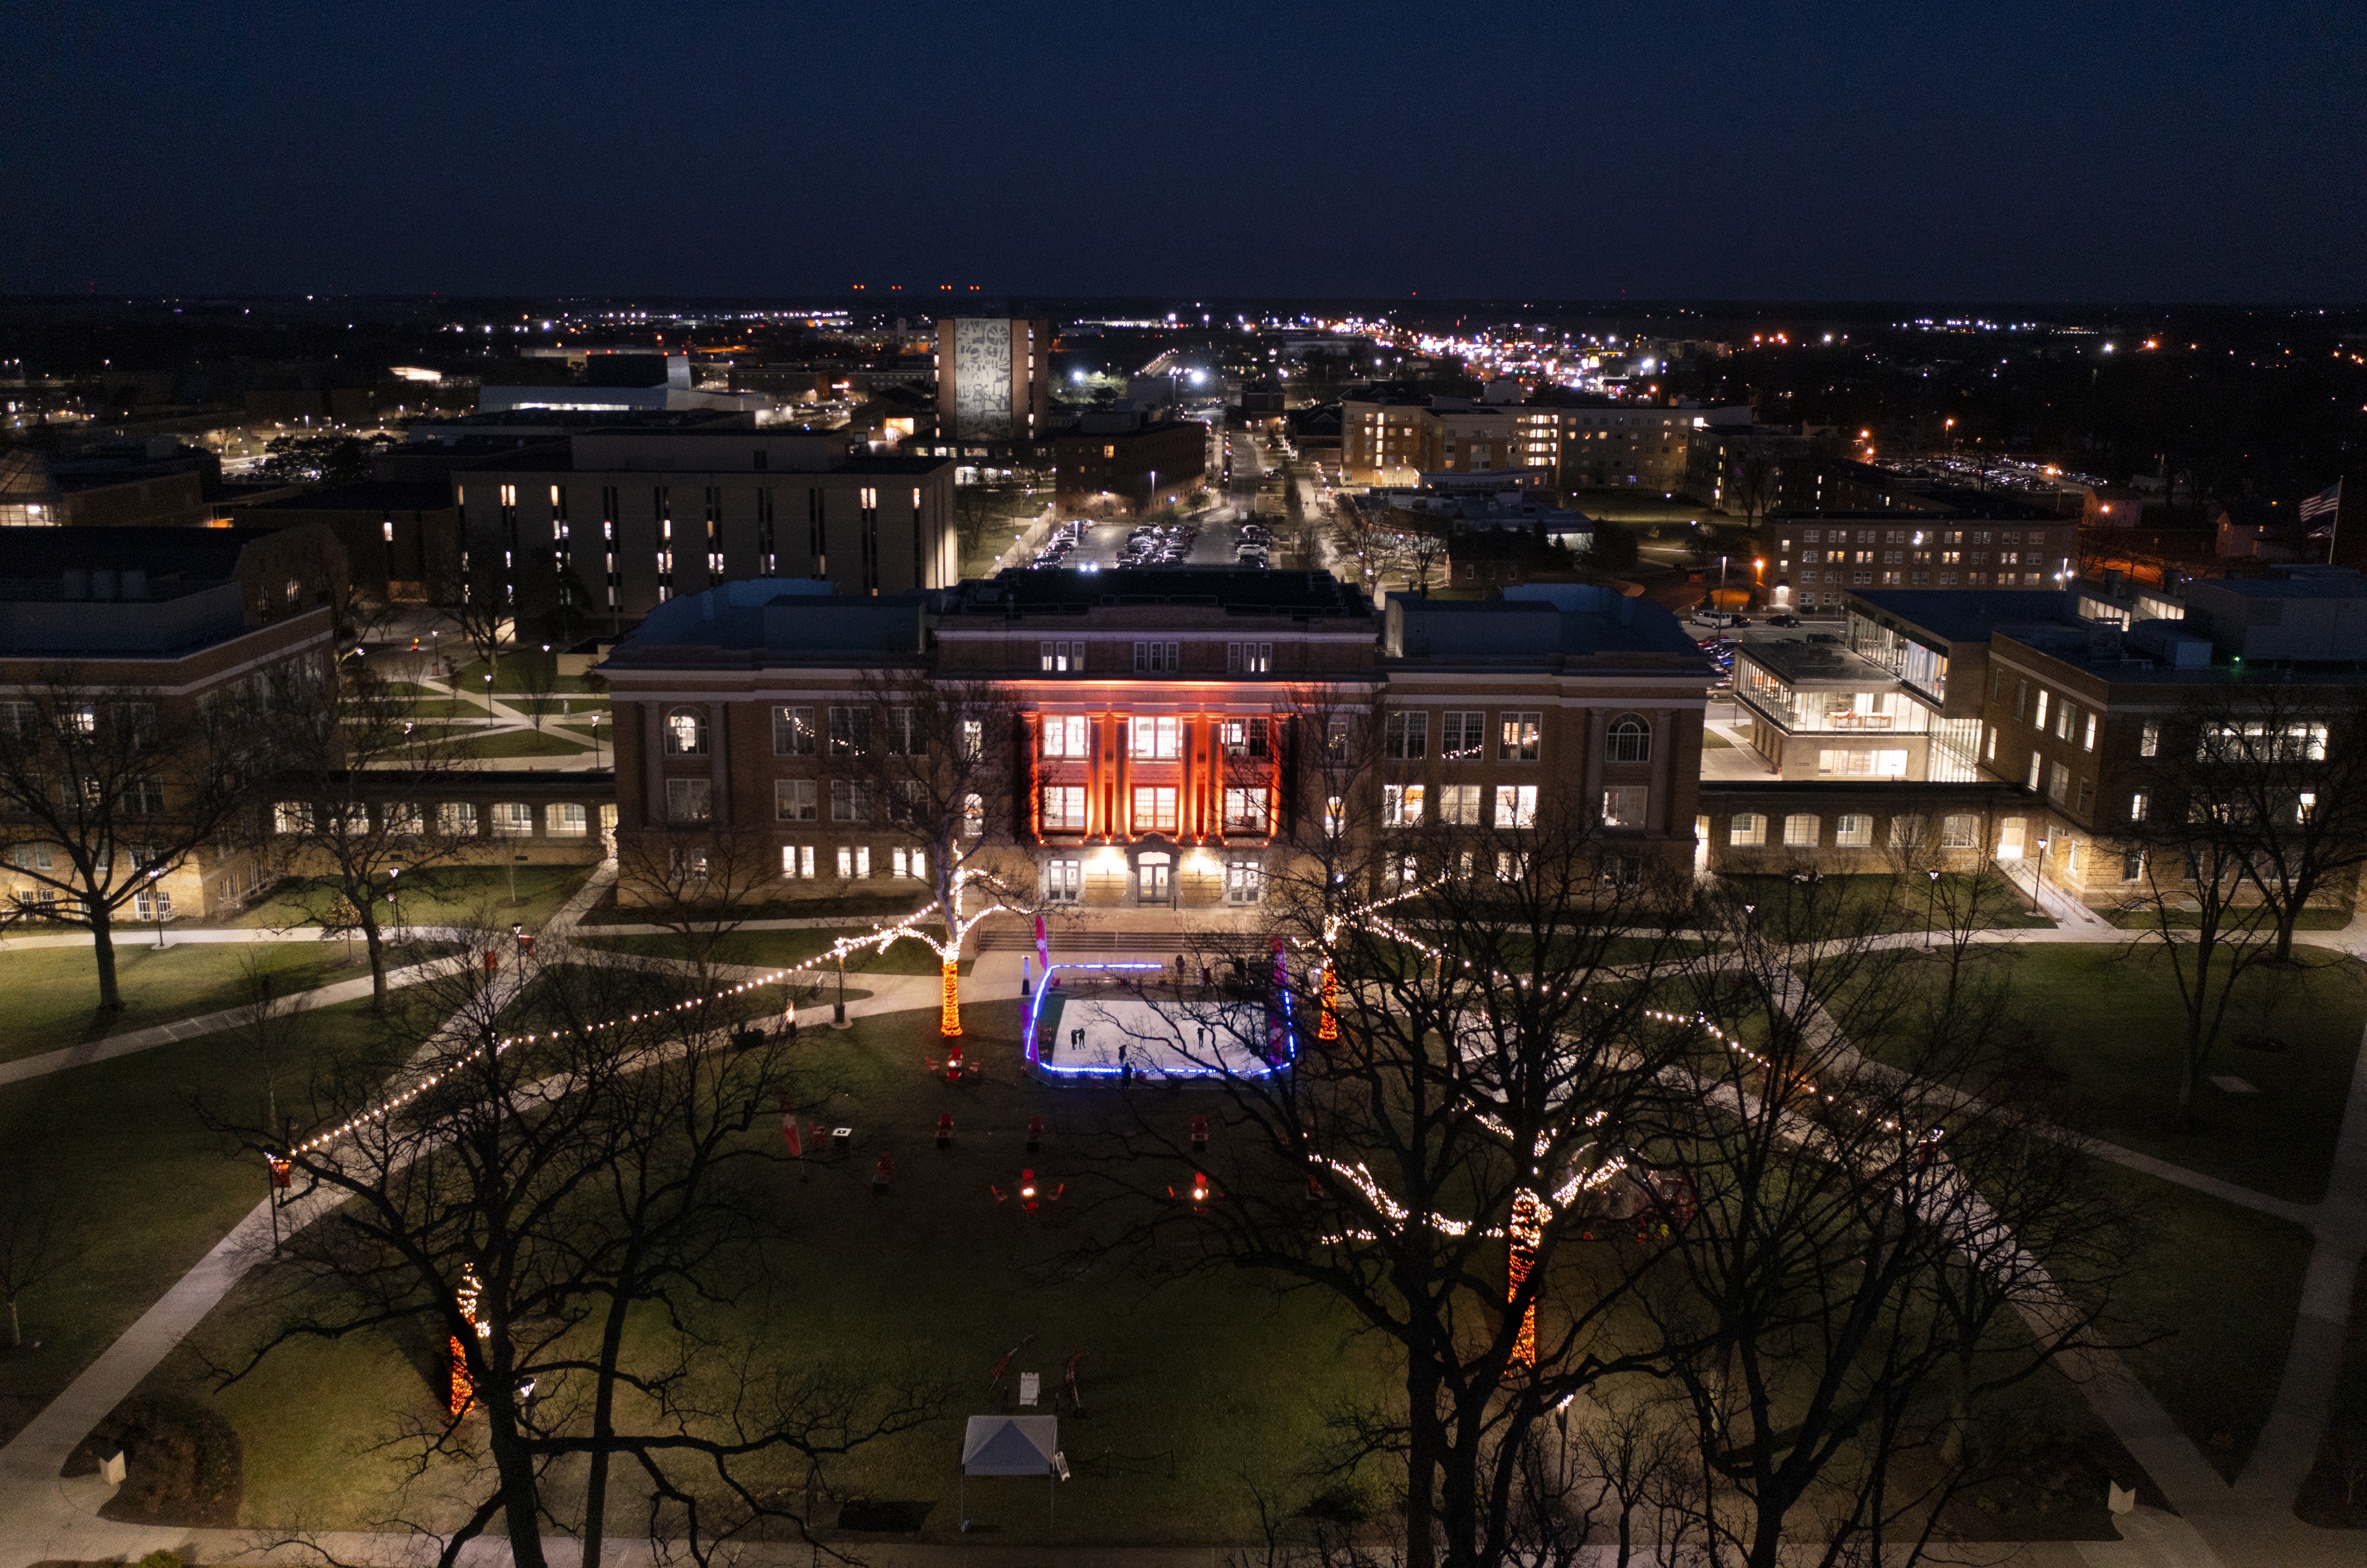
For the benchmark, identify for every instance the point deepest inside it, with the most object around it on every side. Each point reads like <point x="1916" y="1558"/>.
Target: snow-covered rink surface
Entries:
<point x="1094" y="1038"/>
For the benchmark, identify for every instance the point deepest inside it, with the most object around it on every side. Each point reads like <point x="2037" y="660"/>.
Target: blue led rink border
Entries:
<point x="1256" y="1067"/>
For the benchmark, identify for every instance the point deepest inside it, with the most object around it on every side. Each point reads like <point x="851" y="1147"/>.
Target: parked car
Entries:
<point x="1722" y="619"/>
<point x="1783" y="618"/>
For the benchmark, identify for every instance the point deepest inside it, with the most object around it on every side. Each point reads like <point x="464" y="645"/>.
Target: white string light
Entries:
<point x="839" y="950"/>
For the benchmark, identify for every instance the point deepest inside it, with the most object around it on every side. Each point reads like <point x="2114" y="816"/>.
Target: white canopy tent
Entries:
<point x="1012" y="1445"/>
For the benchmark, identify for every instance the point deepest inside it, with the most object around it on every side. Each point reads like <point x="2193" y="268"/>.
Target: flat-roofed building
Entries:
<point x="165" y="623"/>
<point x="628" y="518"/>
<point x="1172" y="734"/>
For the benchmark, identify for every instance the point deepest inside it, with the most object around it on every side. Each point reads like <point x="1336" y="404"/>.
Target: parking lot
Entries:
<point x="1099" y="546"/>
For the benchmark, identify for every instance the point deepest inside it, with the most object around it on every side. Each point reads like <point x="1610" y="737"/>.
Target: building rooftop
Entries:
<point x="1968" y="615"/>
<point x="1820" y="664"/>
<point x="1236" y="591"/>
<point x="775" y="620"/>
<point x="1537" y="621"/>
<point x="554" y="422"/>
<point x="370" y="495"/>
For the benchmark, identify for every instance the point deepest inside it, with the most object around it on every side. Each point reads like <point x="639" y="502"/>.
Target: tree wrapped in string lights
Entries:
<point x="931" y="759"/>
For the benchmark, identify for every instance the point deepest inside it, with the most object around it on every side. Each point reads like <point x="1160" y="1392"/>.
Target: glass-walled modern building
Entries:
<point x="1815" y="711"/>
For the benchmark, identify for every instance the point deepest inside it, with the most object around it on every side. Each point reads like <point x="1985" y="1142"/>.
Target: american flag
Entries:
<point x="2325" y="500"/>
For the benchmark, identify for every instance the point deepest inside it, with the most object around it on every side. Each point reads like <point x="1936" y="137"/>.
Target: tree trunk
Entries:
<point x="374" y="942"/>
<point x="1422" y="1465"/>
<point x="521" y="1508"/>
<point x="15" y="1326"/>
<point x="102" y="947"/>
<point x="604" y="1426"/>
<point x="2287" y="918"/>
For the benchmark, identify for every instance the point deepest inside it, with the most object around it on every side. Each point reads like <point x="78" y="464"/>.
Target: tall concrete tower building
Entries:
<point x="993" y="378"/>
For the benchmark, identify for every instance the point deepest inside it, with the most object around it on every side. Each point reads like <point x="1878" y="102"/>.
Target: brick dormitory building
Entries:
<point x="1166" y="728"/>
<point x="2033" y="730"/>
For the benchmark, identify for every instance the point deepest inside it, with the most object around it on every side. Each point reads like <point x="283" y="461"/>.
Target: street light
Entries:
<point x="1930" y="897"/>
<point x="488" y="699"/>
<point x="2037" y="866"/>
<point x="154" y="907"/>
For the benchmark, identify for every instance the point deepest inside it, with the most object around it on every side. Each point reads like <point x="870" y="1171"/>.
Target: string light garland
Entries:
<point x="881" y="937"/>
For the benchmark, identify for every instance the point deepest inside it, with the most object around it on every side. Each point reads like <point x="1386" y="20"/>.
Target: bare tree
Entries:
<point x="357" y="776"/>
<point x="567" y="1150"/>
<point x="2290" y="763"/>
<point x="106" y="789"/>
<point x="937" y="757"/>
<point x="482" y="611"/>
<point x="31" y="1245"/>
<point x="1758" y="479"/>
<point x="700" y="885"/>
<point x="2194" y="833"/>
<point x="1845" y="1292"/>
<point x="1468" y="1020"/>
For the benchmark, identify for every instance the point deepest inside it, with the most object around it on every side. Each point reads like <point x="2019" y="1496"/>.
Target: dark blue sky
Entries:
<point x="2056" y="151"/>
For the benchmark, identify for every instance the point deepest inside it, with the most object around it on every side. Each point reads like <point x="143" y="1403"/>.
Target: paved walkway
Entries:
<point x="133" y="1040"/>
<point x="43" y="1515"/>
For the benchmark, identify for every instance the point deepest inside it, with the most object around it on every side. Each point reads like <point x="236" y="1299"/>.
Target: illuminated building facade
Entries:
<point x="1165" y="735"/>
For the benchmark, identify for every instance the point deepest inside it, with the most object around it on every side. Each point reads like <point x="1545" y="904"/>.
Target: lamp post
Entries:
<point x="393" y="910"/>
<point x="154" y="907"/>
<point x="2037" y="867"/>
<point x="838" y="1009"/>
<point x="1930" y="897"/>
<point x="488" y="699"/>
<point x="595" y="742"/>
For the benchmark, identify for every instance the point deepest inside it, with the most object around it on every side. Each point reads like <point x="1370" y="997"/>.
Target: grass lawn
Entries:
<point x="2214" y="1290"/>
<point x="143" y="1189"/>
<point x="447" y="707"/>
<point x="1714" y="741"/>
<point x="1192" y="1392"/>
<point x="518" y="743"/>
<point x="1648" y="507"/>
<point x="457" y="894"/>
<point x="2183" y="920"/>
<point x="787" y="949"/>
<point x="843" y="905"/>
<point x="1788" y="910"/>
<point x="513" y="676"/>
<point x="2111" y="1027"/>
<point x="52" y="991"/>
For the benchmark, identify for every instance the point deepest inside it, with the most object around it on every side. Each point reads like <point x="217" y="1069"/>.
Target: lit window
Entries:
<point x="1800" y="832"/>
<point x="2149" y="738"/>
<point x="1064" y="808"/>
<point x="1401" y="806"/>
<point x="2140" y="803"/>
<point x="1516" y="805"/>
<point x="1459" y="805"/>
<point x="685" y="733"/>
<point x="1156" y="739"/>
<point x="1520" y="738"/>
<point x="565" y="821"/>
<point x="1853" y="830"/>
<point x="1245" y="810"/>
<point x="1067" y="734"/>
<point x="796" y="860"/>
<point x="1154" y="808"/>
<point x="1748" y="830"/>
<point x="1629" y="739"/>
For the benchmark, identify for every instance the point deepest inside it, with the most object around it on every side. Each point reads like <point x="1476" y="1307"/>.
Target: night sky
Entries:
<point x="1735" y="151"/>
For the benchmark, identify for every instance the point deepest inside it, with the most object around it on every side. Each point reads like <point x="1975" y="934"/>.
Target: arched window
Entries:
<point x="1629" y="739"/>
<point x="685" y="732"/>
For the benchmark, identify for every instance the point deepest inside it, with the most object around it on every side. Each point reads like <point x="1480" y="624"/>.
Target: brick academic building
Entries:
<point x="1169" y="733"/>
